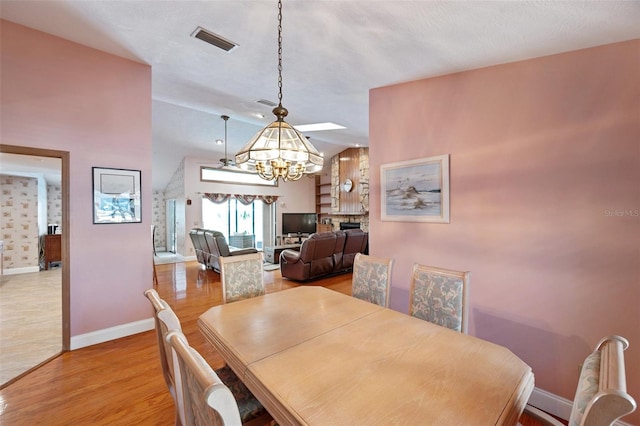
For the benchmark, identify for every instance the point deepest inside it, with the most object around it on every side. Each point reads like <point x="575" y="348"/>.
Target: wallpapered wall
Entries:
<point x="20" y="219"/>
<point x="54" y="206"/>
<point x="158" y="219"/>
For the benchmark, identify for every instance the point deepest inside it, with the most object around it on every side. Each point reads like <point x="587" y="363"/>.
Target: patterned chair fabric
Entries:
<point x="371" y="280"/>
<point x="242" y="277"/>
<point x="249" y="407"/>
<point x="439" y="296"/>
<point x="208" y="399"/>
<point x="601" y="396"/>
<point x="588" y="386"/>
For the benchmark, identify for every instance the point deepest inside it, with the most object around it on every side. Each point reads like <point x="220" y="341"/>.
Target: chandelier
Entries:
<point x="279" y="150"/>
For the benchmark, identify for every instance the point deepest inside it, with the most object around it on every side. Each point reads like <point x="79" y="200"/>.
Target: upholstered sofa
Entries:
<point x="211" y="245"/>
<point x="323" y="254"/>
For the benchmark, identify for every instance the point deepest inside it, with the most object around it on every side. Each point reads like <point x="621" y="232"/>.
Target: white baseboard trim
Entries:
<point x="111" y="333"/>
<point x="25" y="270"/>
<point x="556" y="405"/>
<point x="550" y="403"/>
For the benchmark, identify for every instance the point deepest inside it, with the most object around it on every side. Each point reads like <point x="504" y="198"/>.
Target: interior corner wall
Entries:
<point x="64" y="96"/>
<point x="545" y="201"/>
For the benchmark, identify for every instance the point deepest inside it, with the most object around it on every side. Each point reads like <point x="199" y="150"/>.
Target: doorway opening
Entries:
<point x="56" y="279"/>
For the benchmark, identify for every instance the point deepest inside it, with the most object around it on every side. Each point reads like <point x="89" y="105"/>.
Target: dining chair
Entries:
<point x="207" y="399"/>
<point x="440" y="296"/>
<point x="371" y="279"/>
<point x="168" y="321"/>
<point x="242" y="277"/>
<point x="601" y="396"/>
<point x="162" y="328"/>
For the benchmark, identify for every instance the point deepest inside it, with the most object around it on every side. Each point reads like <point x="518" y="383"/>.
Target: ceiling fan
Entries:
<point x="226" y="162"/>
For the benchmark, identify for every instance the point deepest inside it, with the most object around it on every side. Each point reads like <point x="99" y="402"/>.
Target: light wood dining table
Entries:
<point x="313" y="356"/>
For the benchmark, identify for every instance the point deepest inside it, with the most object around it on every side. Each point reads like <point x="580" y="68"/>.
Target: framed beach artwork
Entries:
<point x="416" y="190"/>
<point x="116" y="196"/>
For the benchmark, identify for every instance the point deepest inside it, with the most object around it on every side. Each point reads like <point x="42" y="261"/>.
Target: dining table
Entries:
<point x="314" y="356"/>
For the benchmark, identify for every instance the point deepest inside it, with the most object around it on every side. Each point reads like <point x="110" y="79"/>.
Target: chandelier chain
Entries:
<point x="280" y="52"/>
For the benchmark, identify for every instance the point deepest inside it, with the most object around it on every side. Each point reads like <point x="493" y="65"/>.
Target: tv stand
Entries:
<point x="298" y="235"/>
<point x="291" y="238"/>
<point x="272" y="253"/>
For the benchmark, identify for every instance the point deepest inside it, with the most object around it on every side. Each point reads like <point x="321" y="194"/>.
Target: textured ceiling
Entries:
<point x="334" y="53"/>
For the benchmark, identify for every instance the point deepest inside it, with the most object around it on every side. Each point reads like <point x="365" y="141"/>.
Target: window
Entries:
<point x="233" y="219"/>
<point x="208" y="174"/>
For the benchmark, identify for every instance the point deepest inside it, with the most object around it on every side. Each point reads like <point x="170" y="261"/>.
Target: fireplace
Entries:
<point x="349" y="225"/>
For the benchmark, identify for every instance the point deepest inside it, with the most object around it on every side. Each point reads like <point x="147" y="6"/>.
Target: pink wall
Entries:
<point x="542" y="154"/>
<point x="64" y="96"/>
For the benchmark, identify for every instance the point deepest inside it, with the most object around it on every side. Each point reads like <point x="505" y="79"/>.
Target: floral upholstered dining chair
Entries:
<point x="207" y="398"/>
<point x="371" y="280"/>
<point x="242" y="277"/>
<point x="439" y="296"/>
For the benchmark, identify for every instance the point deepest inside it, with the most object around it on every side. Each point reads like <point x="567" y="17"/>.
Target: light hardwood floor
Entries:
<point x="120" y="382"/>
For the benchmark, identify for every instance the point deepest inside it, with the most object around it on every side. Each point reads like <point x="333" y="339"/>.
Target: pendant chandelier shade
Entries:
<point x="279" y="150"/>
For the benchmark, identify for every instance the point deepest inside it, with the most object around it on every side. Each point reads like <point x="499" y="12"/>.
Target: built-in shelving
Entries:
<point x="323" y="198"/>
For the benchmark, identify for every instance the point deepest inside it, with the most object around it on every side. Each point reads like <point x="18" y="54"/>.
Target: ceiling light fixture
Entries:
<point x="279" y="150"/>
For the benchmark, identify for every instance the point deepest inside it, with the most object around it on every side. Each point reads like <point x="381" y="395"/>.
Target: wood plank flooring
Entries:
<point x="120" y="382"/>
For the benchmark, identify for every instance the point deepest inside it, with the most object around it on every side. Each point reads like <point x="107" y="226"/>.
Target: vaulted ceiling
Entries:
<point x="334" y="52"/>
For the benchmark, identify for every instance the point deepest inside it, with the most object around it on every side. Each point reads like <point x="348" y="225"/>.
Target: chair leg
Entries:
<point x="155" y="274"/>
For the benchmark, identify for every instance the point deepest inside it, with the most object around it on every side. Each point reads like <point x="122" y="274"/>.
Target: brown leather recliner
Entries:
<point x="317" y="257"/>
<point x="356" y="242"/>
<point x="214" y="245"/>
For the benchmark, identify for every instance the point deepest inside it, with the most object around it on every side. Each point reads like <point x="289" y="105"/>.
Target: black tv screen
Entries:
<point x="298" y="223"/>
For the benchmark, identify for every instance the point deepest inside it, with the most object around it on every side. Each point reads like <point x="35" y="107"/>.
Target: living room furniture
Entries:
<point x="242" y="241"/>
<point x="320" y="255"/>
<point x="601" y="397"/>
<point x="356" y="241"/>
<point x="52" y="249"/>
<point x="242" y="277"/>
<point x="306" y="369"/>
<point x="371" y="280"/>
<point x="210" y="245"/>
<point x="440" y="296"/>
<point x="272" y="253"/>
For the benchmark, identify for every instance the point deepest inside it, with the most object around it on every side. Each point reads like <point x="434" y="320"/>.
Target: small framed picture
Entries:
<point x="116" y="196"/>
<point x="416" y="190"/>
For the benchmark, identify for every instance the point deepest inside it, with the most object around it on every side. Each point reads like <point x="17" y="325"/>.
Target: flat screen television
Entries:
<point x="298" y="223"/>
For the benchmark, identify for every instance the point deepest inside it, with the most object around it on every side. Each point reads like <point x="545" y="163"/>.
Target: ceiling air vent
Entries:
<point x="214" y="39"/>
<point x="266" y="102"/>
